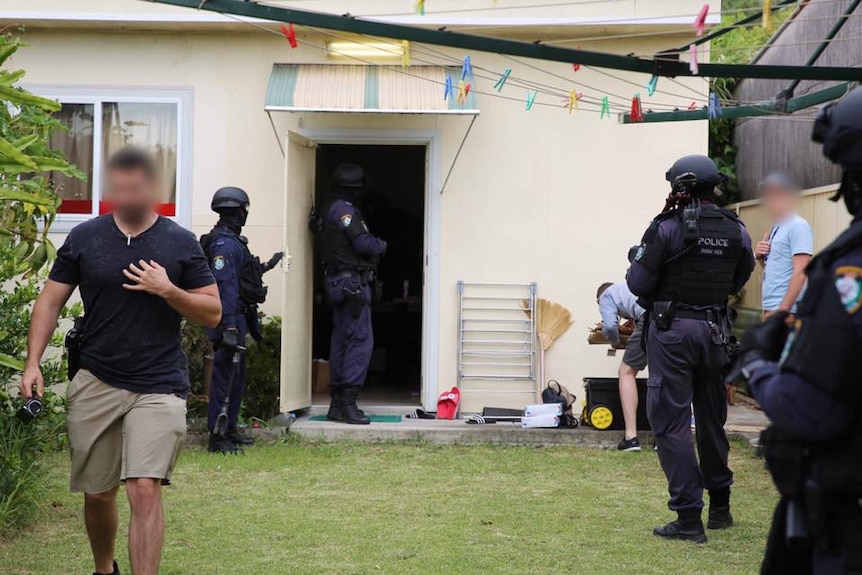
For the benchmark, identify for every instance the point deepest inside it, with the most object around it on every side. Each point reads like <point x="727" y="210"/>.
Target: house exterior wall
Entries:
<point x="539" y="196"/>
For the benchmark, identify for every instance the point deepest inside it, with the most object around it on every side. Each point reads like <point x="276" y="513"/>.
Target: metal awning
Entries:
<point x="365" y="89"/>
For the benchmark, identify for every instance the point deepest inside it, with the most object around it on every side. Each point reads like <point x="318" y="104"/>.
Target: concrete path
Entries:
<point x="743" y="420"/>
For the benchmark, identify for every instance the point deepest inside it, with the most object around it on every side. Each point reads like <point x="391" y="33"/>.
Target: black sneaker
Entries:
<point x="234" y="436"/>
<point x="629" y="444"/>
<point x="719" y="518"/>
<point x="684" y="532"/>
<point x="223" y="445"/>
<point x="116" y="570"/>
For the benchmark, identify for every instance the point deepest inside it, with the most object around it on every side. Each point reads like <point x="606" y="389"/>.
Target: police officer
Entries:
<point x="351" y="255"/>
<point x="691" y="259"/>
<point x="807" y="380"/>
<point x="239" y="276"/>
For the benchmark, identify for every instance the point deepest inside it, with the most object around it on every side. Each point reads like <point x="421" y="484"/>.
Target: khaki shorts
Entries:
<point x="116" y="434"/>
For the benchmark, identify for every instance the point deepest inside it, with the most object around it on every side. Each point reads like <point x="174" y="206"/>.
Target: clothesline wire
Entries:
<point x="431" y="12"/>
<point x="405" y="72"/>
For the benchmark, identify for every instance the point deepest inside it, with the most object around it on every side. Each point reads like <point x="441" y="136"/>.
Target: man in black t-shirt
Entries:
<point x="139" y="274"/>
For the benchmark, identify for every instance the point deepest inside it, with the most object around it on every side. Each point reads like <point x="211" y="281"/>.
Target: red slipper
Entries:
<point x="447" y="404"/>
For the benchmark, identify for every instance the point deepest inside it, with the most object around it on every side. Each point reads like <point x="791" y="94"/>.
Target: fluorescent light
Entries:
<point x="373" y="50"/>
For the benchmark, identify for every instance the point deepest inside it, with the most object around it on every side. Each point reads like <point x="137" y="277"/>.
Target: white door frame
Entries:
<point x="433" y="218"/>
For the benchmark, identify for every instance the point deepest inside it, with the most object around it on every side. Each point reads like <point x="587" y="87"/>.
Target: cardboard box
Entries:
<point x="540" y="421"/>
<point x="320" y="376"/>
<point x="543" y="409"/>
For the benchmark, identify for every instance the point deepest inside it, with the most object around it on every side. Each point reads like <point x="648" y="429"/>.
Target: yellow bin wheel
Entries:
<point x="601" y="417"/>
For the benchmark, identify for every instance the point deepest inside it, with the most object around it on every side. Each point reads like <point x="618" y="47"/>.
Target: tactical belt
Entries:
<point x="701" y="314"/>
<point x="343" y="274"/>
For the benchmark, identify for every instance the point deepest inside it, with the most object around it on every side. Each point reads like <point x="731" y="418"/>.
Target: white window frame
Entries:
<point x="182" y="97"/>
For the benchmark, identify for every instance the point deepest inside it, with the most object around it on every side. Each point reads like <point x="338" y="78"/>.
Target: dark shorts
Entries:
<point x="634" y="356"/>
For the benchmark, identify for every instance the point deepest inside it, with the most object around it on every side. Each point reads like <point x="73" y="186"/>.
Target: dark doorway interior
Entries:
<point x="394" y="209"/>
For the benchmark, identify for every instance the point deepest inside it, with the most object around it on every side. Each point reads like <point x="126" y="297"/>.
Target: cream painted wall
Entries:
<point x="535" y="196"/>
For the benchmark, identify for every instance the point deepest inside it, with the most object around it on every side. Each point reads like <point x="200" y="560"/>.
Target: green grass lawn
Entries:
<point x="349" y="509"/>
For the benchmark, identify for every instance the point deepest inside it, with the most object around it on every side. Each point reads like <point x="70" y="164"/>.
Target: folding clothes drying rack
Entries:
<point x="497" y="338"/>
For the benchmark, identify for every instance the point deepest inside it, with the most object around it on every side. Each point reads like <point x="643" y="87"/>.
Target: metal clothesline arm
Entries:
<point x="772" y="108"/>
<point x="535" y="50"/>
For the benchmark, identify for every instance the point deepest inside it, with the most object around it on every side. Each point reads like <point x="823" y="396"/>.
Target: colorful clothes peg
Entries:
<point x="467" y="69"/>
<point x="420" y="7"/>
<point x="448" y="90"/>
<point x="714" y="110"/>
<point x="531" y="99"/>
<point x="290" y="34"/>
<point x="405" y="53"/>
<point x="463" y="91"/>
<point x="692" y="60"/>
<point x="767" y="14"/>
<point x="572" y="101"/>
<point x="700" y="21"/>
<point x="636" y="114"/>
<point x="502" y="81"/>
<point x="575" y="65"/>
<point x="606" y="108"/>
<point x="692" y="106"/>
<point x="651" y="85"/>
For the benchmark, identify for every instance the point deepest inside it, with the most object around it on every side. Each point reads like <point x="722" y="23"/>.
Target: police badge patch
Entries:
<point x="218" y="263"/>
<point x="848" y="282"/>
<point x="640" y="252"/>
<point x="346" y="219"/>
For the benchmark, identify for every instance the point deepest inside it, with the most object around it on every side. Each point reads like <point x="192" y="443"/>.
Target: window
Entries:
<point x="101" y="122"/>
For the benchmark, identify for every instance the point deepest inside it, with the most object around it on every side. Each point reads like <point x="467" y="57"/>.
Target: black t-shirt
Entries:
<point x="131" y="339"/>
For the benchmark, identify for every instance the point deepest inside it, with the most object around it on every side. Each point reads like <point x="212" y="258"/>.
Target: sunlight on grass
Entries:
<point x="352" y="509"/>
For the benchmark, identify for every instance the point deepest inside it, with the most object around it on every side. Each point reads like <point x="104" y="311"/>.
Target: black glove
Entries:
<point x="763" y="343"/>
<point x="230" y="338"/>
<point x="273" y="261"/>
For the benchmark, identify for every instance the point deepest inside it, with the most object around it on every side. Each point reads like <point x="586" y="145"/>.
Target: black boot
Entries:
<point x="719" y="510"/>
<point x="688" y="527"/>
<point x="237" y="438"/>
<point x="336" y="404"/>
<point x="352" y="414"/>
<point x="221" y="444"/>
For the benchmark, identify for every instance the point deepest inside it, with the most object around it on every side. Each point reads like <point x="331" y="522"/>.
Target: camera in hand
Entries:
<point x="30" y="410"/>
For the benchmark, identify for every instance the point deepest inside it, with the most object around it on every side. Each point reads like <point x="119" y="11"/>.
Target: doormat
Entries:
<point x="373" y="418"/>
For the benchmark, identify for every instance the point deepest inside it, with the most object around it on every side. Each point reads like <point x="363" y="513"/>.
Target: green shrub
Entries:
<point x="21" y="471"/>
<point x="261" y="399"/>
<point x="28" y="205"/>
<point x="263" y="386"/>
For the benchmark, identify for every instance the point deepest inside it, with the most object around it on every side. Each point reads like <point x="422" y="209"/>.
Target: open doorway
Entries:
<point x="394" y="209"/>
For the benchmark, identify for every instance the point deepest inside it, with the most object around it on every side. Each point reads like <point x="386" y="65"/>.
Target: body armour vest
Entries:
<point x="252" y="290"/>
<point x="825" y="350"/>
<point x="702" y="273"/>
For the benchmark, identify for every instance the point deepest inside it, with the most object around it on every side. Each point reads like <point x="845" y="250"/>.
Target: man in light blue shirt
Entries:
<point x="786" y="250"/>
<point x="617" y="301"/>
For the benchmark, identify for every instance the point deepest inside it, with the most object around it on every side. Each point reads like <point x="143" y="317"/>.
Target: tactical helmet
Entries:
<point x="348" y="176"/>
<point x="695" y="174"/>
<point x="839" y="128"/>
<point x="230" y="197"/>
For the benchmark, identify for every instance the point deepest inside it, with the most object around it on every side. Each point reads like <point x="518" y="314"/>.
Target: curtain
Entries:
<point x="76" y="143"/>
<point x="151" y="126"/>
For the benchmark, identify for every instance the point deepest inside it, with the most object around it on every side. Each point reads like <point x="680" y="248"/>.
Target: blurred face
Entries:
<point x="133" y="193"/>
<point x="778" y="201"/>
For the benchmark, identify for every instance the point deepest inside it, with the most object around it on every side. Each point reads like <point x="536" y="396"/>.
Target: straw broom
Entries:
<point x="552" y="321"/>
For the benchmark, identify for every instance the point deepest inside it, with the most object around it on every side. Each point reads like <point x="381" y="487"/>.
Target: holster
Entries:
<point x="73" y="347"/>
<point x="354" y="300"/>
<point x="253" y="322"/>
<point x="786" y="459"/>
<point x="663" y="313"/>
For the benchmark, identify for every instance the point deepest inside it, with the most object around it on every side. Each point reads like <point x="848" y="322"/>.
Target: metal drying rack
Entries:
<point x="497" y="337"/>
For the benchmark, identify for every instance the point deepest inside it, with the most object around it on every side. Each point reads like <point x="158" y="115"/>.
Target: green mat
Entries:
<point x="373" y="418"/>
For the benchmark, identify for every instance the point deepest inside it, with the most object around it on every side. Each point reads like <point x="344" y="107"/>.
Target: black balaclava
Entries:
<point x="232" y="219"/>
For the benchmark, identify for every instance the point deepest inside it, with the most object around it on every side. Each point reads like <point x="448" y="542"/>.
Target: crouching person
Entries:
<point x="139" y="274"/>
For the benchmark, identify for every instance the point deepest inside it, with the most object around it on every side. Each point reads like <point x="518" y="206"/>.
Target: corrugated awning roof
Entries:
<point x="364" y="89"/>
